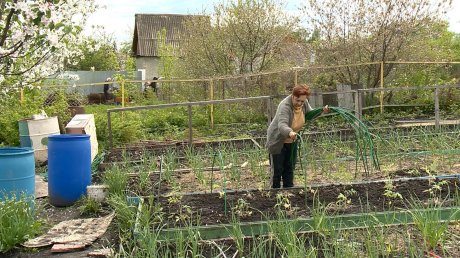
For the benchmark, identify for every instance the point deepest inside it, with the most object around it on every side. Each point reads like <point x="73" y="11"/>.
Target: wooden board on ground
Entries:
<point x="76" y="231"/>
<point x="41" y="187"/>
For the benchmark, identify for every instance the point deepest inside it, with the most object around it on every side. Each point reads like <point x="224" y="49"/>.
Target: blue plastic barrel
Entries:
<point x="17" y="173"/>
<point x="69" y="168"/>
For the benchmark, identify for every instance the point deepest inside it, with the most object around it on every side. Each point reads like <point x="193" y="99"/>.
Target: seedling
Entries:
<point x="242" y="208"/>
<point x="390" y="193"/>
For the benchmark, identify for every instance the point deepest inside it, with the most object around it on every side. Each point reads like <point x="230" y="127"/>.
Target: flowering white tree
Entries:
<point x="37" y="37"/>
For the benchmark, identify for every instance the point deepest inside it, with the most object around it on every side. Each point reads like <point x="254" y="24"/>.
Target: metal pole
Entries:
<point x="190" y="129"/>
<point x="436" y="108"/>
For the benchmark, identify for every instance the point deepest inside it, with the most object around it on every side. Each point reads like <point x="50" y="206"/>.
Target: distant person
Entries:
<point x="153" y="84"/>
<point x="146" y="87"/>
<point x="107" y="88"/>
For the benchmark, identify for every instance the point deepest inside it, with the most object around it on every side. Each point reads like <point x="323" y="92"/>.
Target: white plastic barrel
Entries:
<point x="34" y="134"/>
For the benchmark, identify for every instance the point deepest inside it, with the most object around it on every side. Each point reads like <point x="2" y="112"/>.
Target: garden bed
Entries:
<point x="337" y="199"/>
<point x="137" y="151"/>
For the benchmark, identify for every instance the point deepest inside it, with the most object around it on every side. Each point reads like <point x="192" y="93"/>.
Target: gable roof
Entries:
<point x="145" y="42"/>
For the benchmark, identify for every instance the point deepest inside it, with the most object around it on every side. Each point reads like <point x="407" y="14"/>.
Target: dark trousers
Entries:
<point x="106" y="92"/>
<point x="283" y="165"/>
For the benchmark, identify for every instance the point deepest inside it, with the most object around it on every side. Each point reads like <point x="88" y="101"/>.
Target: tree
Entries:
<point x="125" y="57"/>
<point x="36" y="37"/>
<point x="98" y="53"/>
<point x="241" y="36"/>
<point x="360" y="31"/>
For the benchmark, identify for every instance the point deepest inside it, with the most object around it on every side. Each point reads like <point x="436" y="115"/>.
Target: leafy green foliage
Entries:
<point x="99" y="54"/>
<point x="127" y="127"/>
<point x="53" y="103"/>
<point x="428" y="221"/>
<point x="117" y="181"/>
<point x="88" y="206"/>
<point x="17" y="222"/>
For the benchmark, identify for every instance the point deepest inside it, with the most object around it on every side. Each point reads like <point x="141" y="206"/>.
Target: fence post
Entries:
<point x="436" y="108"/>
<point x="356" y="103"/>
<point x="381" y="87"/>
<point x="358" y="100"/>
<point x="269" y="110"/>
<point x="190" y="129"/>
<point x="122" y="93"/>
<point x="22" y="95"/>
<point x="211" y="97"/>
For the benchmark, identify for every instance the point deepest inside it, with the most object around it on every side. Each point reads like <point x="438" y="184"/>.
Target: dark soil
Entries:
<point x="263" y="204"/>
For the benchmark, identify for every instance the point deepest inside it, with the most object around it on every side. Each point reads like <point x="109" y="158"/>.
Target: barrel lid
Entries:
<point x="10" y="151"/>
<point x="68" y="136"/>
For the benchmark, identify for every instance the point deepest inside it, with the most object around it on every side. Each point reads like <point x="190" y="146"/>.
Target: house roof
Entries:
<point x="145" y="41"/>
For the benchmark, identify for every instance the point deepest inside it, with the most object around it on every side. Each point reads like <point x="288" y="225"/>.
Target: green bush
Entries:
<point x="53" y="103"/>
<point x="126" y="127"/>
<point x="17" y="222"/>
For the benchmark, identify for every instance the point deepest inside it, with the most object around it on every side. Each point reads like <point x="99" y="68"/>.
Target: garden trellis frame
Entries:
<point x="189" y="105"/>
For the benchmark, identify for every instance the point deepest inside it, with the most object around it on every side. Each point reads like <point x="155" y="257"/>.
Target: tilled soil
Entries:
<point x="257" y="205"/>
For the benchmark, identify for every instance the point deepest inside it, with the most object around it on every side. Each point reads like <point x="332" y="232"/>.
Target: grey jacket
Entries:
<point x="280" y="127"/>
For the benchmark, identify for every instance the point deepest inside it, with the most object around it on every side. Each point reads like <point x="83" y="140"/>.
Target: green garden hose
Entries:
<point x="365" y="148"/>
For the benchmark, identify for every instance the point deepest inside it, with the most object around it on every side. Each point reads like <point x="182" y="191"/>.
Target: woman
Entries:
<point x="106" y="88"/>
<point x="282" y="132"/>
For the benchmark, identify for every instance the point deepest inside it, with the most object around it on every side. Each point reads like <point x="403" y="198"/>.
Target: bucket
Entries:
<point x="17" y="172"/>
<point x="34" y="134"/>
<point x="69" y="168"/>
<point x="97" y="192"/>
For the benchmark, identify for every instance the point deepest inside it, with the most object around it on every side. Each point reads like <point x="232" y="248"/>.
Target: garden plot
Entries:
<point x="405" y="217"/>
<point x="213" y="200"/>
<point x="241" y="164"/>
<point x="258" y="205"/>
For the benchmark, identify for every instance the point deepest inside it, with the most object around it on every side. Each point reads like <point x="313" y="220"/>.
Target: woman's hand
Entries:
<point x="326" y="109"/>
<point x="292" y="135"/>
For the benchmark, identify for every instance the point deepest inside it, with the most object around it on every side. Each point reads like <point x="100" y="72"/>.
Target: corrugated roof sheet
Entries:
<point x="147" y="26"/>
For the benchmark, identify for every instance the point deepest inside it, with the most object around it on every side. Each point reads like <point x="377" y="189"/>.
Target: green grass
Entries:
<point x="89" y="206"/>
<point x="17" y="222"/>
<point x="117" y="180"/>
<point x="428" y="221"/>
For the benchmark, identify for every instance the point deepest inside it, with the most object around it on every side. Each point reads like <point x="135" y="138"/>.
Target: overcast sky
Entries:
<point x="117" y="16"/>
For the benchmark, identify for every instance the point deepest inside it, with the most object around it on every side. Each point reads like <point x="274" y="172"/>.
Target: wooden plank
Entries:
<point x="350" y="221"/>
<point x="105" y="252"/>
<point x="183" y="104"/>
<point x="427" y="123"/>
<point x="65" y="248"/>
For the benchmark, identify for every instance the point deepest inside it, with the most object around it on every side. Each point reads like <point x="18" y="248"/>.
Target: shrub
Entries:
<point x="35" y="100"/>
<point x="17" y="222"/>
